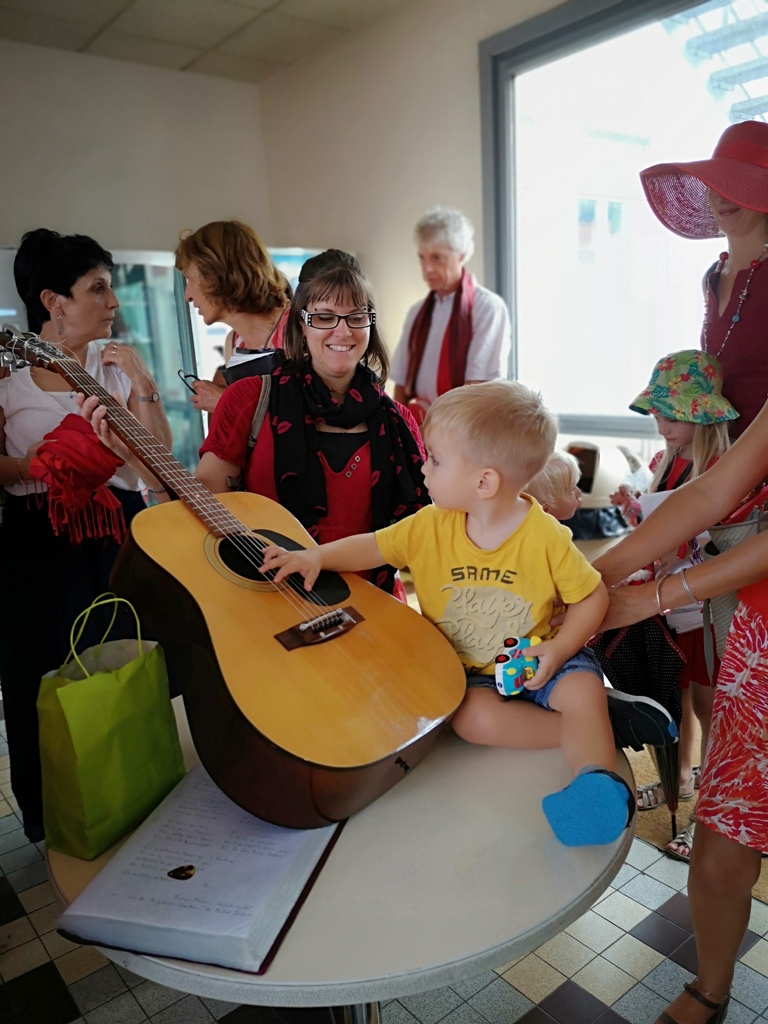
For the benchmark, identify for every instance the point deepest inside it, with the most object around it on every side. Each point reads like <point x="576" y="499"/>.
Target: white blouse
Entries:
<point x="31" y="413"/>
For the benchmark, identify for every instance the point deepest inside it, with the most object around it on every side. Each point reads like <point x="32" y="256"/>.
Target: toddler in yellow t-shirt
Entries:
<point x="487" y="563"/>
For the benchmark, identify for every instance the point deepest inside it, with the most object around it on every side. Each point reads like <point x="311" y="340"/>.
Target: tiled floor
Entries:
<point x="624" y="960"/>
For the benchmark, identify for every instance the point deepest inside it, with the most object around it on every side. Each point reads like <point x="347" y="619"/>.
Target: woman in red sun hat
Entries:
<point x="727" y="195"/>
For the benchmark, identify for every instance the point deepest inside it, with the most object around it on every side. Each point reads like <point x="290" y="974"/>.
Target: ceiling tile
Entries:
<point x="49" y="31"/>
<point x="257" y="5"/>
<point x="229" y="65"/>
<point x="124" y="46"/>
<point x="344" y="14"/>
<point x="95" y="12"/>
<point x="198" y="23"/>
<point x="279" y="38"/>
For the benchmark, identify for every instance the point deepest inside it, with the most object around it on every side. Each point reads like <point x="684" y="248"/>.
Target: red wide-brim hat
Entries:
<point x="738" y="171"/>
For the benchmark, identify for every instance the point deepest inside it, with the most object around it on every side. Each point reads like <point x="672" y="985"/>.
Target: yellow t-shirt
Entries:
<point x="478" y="598"/>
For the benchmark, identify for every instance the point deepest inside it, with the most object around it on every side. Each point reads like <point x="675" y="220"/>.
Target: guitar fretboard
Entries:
<point x="151" y="453"/>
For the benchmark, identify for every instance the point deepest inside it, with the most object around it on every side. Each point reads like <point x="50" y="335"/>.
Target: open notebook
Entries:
<point x="203" y="880"/>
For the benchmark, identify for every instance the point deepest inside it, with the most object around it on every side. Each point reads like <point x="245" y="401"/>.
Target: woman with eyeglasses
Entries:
<point x="332" y="447"/>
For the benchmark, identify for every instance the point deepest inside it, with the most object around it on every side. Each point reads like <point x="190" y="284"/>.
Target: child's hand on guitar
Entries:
<point x="305" y="562"/>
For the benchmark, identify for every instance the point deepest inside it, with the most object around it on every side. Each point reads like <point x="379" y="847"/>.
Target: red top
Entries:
<point x="745" y="357"/>
<point x="349" y="492"/>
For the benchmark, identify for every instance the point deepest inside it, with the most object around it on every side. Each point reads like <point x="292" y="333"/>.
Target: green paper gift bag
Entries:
<point x="109" y="746"/>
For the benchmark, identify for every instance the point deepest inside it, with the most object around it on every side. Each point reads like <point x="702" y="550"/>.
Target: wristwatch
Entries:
<point x="154" y="397"/>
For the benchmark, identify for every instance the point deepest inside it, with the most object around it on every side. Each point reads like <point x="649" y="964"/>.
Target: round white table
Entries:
<point x="453" y="872"/>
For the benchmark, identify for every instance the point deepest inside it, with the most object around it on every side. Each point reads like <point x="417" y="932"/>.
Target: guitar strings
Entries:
<point x="292" y="589"/>
<point x="187" y="487"/>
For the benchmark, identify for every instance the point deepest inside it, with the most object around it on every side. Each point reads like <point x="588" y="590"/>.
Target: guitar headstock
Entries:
<point x="18" y="350"/>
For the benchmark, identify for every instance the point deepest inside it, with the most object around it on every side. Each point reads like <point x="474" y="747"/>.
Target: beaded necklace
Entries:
<point x="753" y="265"/>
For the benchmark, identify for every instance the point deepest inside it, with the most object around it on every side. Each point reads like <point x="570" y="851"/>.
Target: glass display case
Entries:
<point x="167" y="332"/>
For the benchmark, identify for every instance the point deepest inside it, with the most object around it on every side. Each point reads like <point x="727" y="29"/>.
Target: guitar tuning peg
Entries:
<point x="18" y="364"/>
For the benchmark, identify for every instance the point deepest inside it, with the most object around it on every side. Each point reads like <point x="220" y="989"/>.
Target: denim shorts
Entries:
<point x="582" y="661"/>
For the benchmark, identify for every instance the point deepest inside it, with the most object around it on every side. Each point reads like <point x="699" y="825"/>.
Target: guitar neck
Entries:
<point x="177" y="480"/>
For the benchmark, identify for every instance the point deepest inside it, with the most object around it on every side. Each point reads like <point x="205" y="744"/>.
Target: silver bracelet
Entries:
<point x="156" y="490"/>
<point x="659" y="581"/>
<point x="687" y="589"/>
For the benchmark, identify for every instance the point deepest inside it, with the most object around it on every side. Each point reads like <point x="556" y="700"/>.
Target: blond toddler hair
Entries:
<point x="499" y="423"/>
<point x="556" y="481"/>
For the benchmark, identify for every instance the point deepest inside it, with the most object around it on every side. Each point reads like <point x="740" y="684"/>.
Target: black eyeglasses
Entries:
<point x="327" y="321"/>
<point x="185" y="378"/>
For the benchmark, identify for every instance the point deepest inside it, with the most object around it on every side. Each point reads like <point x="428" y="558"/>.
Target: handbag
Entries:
<point x="747" y="520"/>
<point x="109" y="745"/>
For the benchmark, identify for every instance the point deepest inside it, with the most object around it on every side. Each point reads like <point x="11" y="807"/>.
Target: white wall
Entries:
<point x="126" y="153"/>
<point x="374" y="131"/>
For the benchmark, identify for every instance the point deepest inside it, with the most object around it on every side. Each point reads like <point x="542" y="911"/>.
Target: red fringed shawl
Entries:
<point x="75" y="465"/>
<point x="451" y="370"/>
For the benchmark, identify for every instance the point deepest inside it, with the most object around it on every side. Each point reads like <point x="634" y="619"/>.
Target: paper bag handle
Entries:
<point x="82" y="618"/>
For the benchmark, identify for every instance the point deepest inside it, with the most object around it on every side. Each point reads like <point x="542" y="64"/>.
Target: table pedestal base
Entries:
<point x="362" y="1013"/>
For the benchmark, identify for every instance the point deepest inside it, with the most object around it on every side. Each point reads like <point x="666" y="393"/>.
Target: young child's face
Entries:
<point x="447" y="473"/>
<point x="676" y="433"/>
<point x="566" y="506"/>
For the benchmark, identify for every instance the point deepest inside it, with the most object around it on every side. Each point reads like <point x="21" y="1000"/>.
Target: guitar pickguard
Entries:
<point x="238" y="560"/>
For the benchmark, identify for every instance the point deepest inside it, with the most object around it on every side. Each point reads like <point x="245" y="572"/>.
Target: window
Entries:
<point x="575" y="105"/>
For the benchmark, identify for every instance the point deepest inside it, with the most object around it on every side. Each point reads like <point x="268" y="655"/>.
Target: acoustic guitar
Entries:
<point x="303" y="707"/>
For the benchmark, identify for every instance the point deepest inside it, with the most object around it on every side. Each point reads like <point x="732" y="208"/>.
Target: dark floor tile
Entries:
<point x="609" y="1017"/>
<point x="570" y="1004"/>
<point x="306" y="1015"/>
<point x="685" y="955"/>
<point x="11" y="908"/>
<point x="59" y="1009"/>
<point x="750" y="938"/>
<point x="536" y="1016"/>
<point x="678" y="911"/>
<point x="7" y="1013"/>
<point x="660" y="934"/>
<point x="41" y="996"/>
<point x="253" y="1015"/>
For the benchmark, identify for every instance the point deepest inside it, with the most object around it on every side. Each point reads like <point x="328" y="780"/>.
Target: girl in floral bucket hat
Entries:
<point x="727" y="195"/>
<point x="685" y="396"/>
<point x="686" y="386"/>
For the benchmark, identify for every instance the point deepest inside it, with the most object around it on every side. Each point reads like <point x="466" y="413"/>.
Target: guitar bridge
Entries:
<point x="324" y="627"/>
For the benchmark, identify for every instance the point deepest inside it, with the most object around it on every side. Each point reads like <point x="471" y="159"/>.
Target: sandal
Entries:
<point x="720" y="1009"/>
<point x="682" y="841"/>
<point x="651" y="796"/>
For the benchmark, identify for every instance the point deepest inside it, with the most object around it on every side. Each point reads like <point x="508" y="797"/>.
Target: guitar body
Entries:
<point x="300" y="737"/>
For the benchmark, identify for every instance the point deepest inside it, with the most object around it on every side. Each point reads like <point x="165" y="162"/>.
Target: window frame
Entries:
<point x="565" y="29"/>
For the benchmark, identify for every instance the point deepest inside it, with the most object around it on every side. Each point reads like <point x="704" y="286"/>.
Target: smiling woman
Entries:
<point x="334" y="449"/>
<point x="60" y="531"/>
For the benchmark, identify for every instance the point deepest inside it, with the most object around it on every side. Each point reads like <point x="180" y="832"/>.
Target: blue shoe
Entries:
<point x="592" y="810"/>
<point x="639" y="720"/>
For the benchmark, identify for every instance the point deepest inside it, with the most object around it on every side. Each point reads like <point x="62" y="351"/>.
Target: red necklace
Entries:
<point x="753" y="265"/>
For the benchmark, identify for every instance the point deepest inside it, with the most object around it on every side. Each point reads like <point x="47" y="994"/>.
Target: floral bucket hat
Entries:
<point x="686" y="386"/>
<point x="737" y="171"/>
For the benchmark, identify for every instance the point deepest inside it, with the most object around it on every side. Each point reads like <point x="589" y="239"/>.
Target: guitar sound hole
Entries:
<point x="242" y="556"/>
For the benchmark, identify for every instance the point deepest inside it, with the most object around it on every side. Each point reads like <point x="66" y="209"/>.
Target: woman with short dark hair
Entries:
<point x="57" y="552"/>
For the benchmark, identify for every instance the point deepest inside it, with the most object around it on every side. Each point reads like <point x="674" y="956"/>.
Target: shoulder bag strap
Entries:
<point x="261" y="411"/>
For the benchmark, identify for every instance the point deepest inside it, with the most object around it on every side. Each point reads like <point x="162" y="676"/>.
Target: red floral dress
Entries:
<point x="734" y="786"/>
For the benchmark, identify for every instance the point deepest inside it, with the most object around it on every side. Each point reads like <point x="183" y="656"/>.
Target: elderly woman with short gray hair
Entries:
<point x="459" y="334"/>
